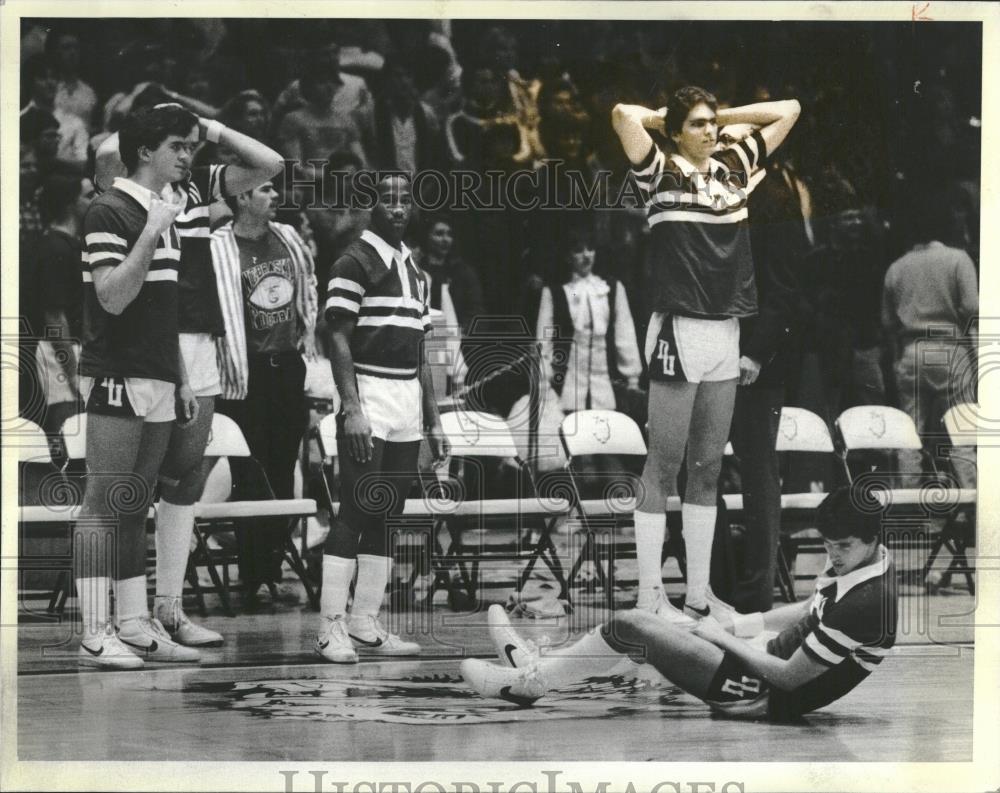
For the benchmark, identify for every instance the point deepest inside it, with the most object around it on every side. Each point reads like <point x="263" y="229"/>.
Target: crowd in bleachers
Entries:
<point x="885" y="157"/>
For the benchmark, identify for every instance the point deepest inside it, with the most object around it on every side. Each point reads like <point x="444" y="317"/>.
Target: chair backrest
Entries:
<point x="475" y="434"/>
<point x="226" y="439"/>
<point x="74" y="435"/>
<point x="218" y="483"/>
<point x="963" y="423"/>
<point x="802" y="430"/>
<point x="601" y="432"/>
<point x="32" y="443"/>
<point x="877" y="427"/>
<point x="326" y="435"/>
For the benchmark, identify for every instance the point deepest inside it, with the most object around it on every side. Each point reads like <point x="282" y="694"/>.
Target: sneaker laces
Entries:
<point x="156" y="627"/>
<point x="530" y="677"/>
<point x="171" y="608"/>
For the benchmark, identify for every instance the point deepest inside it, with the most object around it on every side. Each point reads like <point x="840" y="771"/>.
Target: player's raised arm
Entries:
<point x="775" y="120"/>
<point x="630" y="123"/>
<point x="258" y="162"/>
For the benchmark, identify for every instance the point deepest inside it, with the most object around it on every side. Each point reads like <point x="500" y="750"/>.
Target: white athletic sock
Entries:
<point x="173" y="543"/>
<point x="373" y="575"/>
<point x="591" y="655"/>
<point x="338" y="573"/>
<point x="650" y="530"/>
<point x="699" y="531"/>
<point x="93" y="598"/>
<point x="130" y="598"/>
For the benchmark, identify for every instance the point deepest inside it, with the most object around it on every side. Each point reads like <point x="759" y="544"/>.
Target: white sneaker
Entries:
<point x="109" y="653"/>
<point x="659" y="605"/>
<point x="170" y="614"/>
<point x="372" y="636"/>
<point x="714" y="607"/>
<point x="334" y="644"/>
<point x="148" y="639"/>
<point x="512" y="649"/>
<point x="521" y="686"/>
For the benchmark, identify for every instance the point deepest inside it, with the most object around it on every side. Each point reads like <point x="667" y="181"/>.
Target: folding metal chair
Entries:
<point x="799" y="430"/>
<point x="255" y="503"/>
<point x="589" y="433"/>
<point x="962" y="423"/>
<point x="477" y="435"/>
<point x="878" y="428"/>
<point x="45" y="542"/>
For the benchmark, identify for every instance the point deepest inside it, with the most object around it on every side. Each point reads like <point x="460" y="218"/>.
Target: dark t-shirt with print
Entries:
<point x="268" y="283"/>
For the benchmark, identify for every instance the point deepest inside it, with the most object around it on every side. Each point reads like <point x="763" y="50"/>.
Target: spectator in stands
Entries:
<point x="844" y="274"/>
<point x="150" y="68"/>
<point x="30" y="216"/>
<point x="498" y="50"/>
<point x="248" y="112"/>
<point x="39" y="81"/>
<point x="73" y="96"/>
<point x="485" y="133"/>
<point x="64" y="199"/>
<point x="455" y="287"/>
<point x="318" y="128"/>
<point x="594" y="351"/>
<point x="406" y="134"/>
<point x="349" y="99"/>
<point x="930" y="298"/>
<point x="484" y="137"/>
<point x="269" y="309"/>
<point x="438" y="76"/>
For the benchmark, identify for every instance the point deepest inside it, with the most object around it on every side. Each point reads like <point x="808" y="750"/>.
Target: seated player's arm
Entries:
<point x="747" y="626"/>
<point x="786" y="675"/>
<point x="630" y="122"/>
<point x="775" y="119"/>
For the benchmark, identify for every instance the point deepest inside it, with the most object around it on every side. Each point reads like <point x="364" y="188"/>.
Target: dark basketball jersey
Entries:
<point x="702" y="265"/>
<point x="142" y="340"/>
<point x="850" y="627"/>
<point x="390" y="297"/>
<point x="198" y="295"/>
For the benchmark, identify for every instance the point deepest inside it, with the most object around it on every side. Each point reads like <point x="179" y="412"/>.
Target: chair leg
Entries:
<point x="58" y="598"/>
<point x="192" y="577"/>
<point x="220" y="588"/>
<point x="292" y="555"/>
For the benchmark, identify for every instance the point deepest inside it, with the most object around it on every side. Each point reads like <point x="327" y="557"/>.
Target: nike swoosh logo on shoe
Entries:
<point x="524" y="702"/>
<point x="95" y="653"/>
<point x="152" y="648"/>
<point x="365" y="642"/>
<point x="323" y="645"/>
<point x="509" y="652"/>
<point x="701" y="612"/>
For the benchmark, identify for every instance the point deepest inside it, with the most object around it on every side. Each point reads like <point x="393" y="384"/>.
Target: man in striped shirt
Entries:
<point x="825" y="646"/>
<point x="703" y="283"/>
<point x="131" y="375"/>
<point x="378" y="310"/>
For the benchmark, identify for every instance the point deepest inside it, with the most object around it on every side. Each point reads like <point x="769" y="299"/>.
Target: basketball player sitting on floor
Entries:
<point x="825" y="646"/>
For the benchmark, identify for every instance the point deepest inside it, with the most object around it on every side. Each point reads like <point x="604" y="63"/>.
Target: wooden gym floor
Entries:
<point x="264" y="696"/>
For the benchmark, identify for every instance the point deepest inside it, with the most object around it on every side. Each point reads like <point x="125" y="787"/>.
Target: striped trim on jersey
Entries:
<point x="104" y="249"/>
<point x="205" y="186"/>
<point x="700" y="237"/>
<point x="389" y="295"/>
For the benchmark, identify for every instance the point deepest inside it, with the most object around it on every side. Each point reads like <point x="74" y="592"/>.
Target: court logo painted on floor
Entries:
<point x="438" y="699"/>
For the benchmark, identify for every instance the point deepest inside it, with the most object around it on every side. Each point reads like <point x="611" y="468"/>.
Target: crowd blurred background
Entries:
<point x="889" y="136"/>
